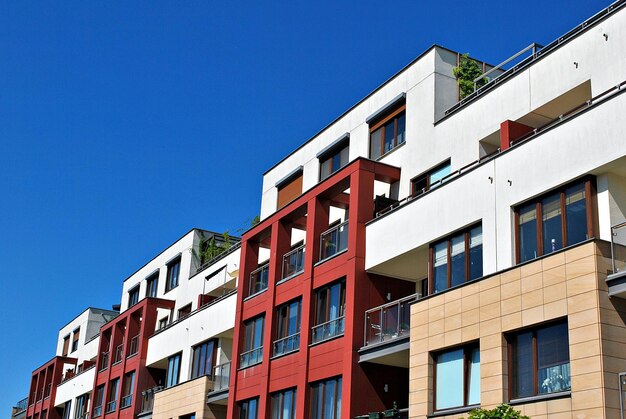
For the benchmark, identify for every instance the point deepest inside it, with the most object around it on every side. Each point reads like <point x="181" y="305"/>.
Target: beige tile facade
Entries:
<point x="187" y="398"/>
<point x="570" y="284"/>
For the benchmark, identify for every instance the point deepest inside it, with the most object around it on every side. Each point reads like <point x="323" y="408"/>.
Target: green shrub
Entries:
<point x="466" y="72"/>
<point x="504" y="411"/>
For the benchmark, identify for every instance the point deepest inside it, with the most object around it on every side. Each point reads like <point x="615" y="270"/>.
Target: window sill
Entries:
<point x="453" y="411"/>
<point x="542" y="397"/>
<point x="282" y="281"/>
<point x="390" y="151"/>
<point x="284" y="354"/>
<point x="249" y="297"/>
<point x="331" y="257"/>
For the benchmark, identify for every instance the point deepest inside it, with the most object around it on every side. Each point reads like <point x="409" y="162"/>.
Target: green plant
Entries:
<point x="466" y="72"/>
<point x="503" y="411"/>
<point x="209" y="248"/>
<point x="255" y="221"/>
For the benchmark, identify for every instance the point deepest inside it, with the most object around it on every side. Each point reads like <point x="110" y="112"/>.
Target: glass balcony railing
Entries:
<point x="221" y="377"/>
<point x="97" y="411"/>
<point x="287" y="344"/>
<point x="147" y="399"/>
<point x="328" y="330"/>
<point x="259" y="279"/>
<point x="389" y="321"/>
<point x="334" y="241"/>
<point x="618" y="247"/>
<point x="249" y="358"/>
<point x="293" y="262"/>
<point x="111" y="406"/>
<point x="126" y="401"/>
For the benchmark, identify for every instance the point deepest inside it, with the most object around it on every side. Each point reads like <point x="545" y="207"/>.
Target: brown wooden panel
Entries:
<point x="289" y="191"/>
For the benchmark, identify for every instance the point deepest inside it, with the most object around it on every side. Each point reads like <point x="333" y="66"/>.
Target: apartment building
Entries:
<point x="165" y="353"/>
<point x="424" y="255"/>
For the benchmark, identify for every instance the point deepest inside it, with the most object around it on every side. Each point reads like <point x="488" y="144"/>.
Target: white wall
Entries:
<point x="89" y="322"/>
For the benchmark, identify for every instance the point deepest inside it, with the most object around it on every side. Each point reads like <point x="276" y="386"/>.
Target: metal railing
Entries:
<point x="220" y="377"/>
<point x="134" y="345"/>
<point x="111" y="406"/>
<point x="618" y="247"/>
<point x="328" y="330"/>
<point x="126" y="401"/>
<point x="259" y="279"/>
<point x="287" y="344"/>
<point x="147" y="398"/>
<point x="104" y="361"/>
<point x="389" y="321"/>
<point x="214" y="259"/>
<point x="119" y="353"/>
<point x="21" y="405"/>
<point x="293" y="262"/>
<point x="534" y="47"/>
<point x="334" y="240"/>
<point x="249" y="358"/>
<point x="97" y="411"/>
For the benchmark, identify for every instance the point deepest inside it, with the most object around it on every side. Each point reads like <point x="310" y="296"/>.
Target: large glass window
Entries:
<point x="329" y="311"/>
<point x="75" y="337"/>
<point x="457" y="378"/>
<point x="152" y="285"/>
<point x="259" y="279"/>
<point x="334" y="160"/>
<point x="457" y="259"/>
<point x="112" y="395"/>
<point x="203" y="358"/>
<point x="284" y="404"/>
<point x="98" y="400"/>
<point x="252" y="352"/>
<point x="173" y="271"/>
<point x="326" y="399"/>
<point x="563" y="216"/>
<point x="539" y="361"/>
<point x="249" y="409"/>
<point x="133" y="296"/>
<point x="82" y="403"/>
<point x="388" y="133"/>
<point x="173" y="370"/>
<point x="288" y="328"/>
<point x="431" y="179"/>
<point x="127" y="389"/>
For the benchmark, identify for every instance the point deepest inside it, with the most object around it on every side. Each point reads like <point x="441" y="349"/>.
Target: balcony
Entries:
<point x="21" y="405"/>
<point x="334" y="241"/>
<point x="328" y="330"/>
<point x="293" y="262"/>
<point x="388" y="322"/>
<point x="119" y="354"/>
<point x="258" y="280"/>
<point x="250" y="358"/>
<point x="126" y="401"/>
<point x="616" y="281"/>
<point x="134" y="346"/>
<point x="287" y="344"/>
<point x="220" y="379"/>
<point x="104" y="361"/>
<point x="147" y="399"/>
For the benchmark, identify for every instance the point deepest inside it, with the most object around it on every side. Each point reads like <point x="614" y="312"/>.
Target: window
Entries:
<point x="173" y="370"/>
<point x="289" y="189"/>
<point x="333" y="159"/>
<point x="252" y="342"/>
<point x="326" y="399"/>
<point x="98" y="400"/>
<point x="81" y="406"/>
<point x="258" y="280"/>
<point x="112" y="396"/>
<point x="184" y="311"/>
<point x="457" y="378"/>
<point x="430" y="180"/>
<point x="539" y="361"/>
<point x="66" y="411"/>
<point x="555" y="220"/>
<point x="66" y="414"/>
<point x="388" y="133"/>
<point x="173" y="270"/>
<point x="203" y="359"/>
<point x="283" y="404"/>
<point x="162" y="323"/>
<point x="330" y="307"/>
<point x="133" y="296"/>
<point x="75" y="336"/>
<point x="152" y="285"/>
<point x="457" y="259"/>
<point x="127" y="390"/>
<point x="66" y="345"/>
<point x="288" y="328"/>
<point x="248" y="409"/>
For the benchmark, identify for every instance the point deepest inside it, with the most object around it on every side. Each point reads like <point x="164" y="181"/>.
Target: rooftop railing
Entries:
<point x="334" y="241"/>
<point x="21" y="405"/>
<point x="293" y="262"/>
<point x="389" y="321"/>
<point x="259" y="279"/>
<point x="618" y="247"/>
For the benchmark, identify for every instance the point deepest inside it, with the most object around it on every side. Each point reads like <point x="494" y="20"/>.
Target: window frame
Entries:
<point x="152" y="282"/>
<point x="326" y="289"/>
<point x="75" y="338"/>
<point x="195" y="369"/>
<point x="66" y="345"/>
<point x="280" y="395"/>
<point x="282" y="324"/>
<point x="244" y="349"/>
<point x="176" y="262"/>
<point x="291" y="180"/>
<point x="247" y="403"/>
<point x="330" y="154"/>
<point x="466" y="232"/>
<point x="590" y="188"/>
<point x="322" y="385"/>
<point x="185" y="311"/>
<point x="427" y="176"/>
<point x="467" y="348"/>
<point x="80" y="409"/>
<point x="394" y="114"/>
<point x="169" y="380"/>
<point x="133" y="296"/>
<point x="127" y="388"/>
<point x="112" y="396"/>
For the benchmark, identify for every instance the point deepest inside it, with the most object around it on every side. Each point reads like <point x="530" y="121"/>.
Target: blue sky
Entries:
<point x="124" y="124"/>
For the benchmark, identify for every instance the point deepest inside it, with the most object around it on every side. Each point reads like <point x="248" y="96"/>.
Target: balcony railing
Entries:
<point x="287" y="344"/>
<point x="104" y="361"/>
<point x="618" y="247"/>
<point x="111" y="406"/>
<point x="126" y="401"/>
<point x="21" y="405"/>
<point x="134" y="346"/>
<point x="334" y="240"/>
<point x="259" y="279"/>
<point x="147" y="399"/>
<point x="221" y="377"/>
<point x="119" y="353"/>
<point x="97" y="411"/>
<point x="389" y="321"/>
<point x="293" y="262"/>
<point x="328" y="330"/>
<point x="249" y="358"/>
